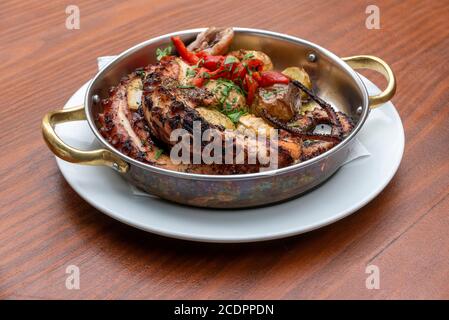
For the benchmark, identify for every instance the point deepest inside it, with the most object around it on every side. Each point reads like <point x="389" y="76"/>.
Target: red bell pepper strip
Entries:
<point x="198" y="82"/>
<point x="201" y="76"/>
<point x="251" y="88"/>
<point x="238" y="72"/>
<point x="212" y="62"/>
<point x="256" y="75"/>
<point x="185" y="54"/>
<point x="221" y="72"/>
<point x="268" y="78"/>
<point x="254" y="64"/>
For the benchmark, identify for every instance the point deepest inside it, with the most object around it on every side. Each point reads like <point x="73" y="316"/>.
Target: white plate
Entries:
<point x="353" y="186"/>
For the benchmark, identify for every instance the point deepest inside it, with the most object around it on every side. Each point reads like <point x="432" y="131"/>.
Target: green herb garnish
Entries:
<point x="248" y="69"/>
<point x="160" y="53"/>
<point x="230" y="85"/>
<point x="190" y="73"/>
<point x="158" y="154"/>
<point x="249" y="55"/>
<point x="140" y="73"/>
<point x="267" y="94"/>
<point x="235" y="115"/>
<point x="230" y="60"/>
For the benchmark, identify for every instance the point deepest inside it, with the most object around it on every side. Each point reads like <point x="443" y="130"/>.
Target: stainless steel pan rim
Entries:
<point x="137" y="56"/>
<point x="320" y="50"/>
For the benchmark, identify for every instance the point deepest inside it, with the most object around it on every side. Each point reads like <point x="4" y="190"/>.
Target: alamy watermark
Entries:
<point x="72" y="22"/>
<point x="373" y="19"/>
<point x="212" y="146"/>
<point x="72" y="282"/>
<point x="373" y="280"/>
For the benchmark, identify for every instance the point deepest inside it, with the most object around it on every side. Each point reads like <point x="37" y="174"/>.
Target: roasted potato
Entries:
<point x="215" y="117"/>
<point x="251" y="122"/>
<point x="243" y="55"/>
<point x="299" y="74"/>
<point x="309" y="107"/>
<point x="134" y="93"/>
<point x="229" y="96"/>
<point x="281" y="101"/>
<point x="186" y="72"/>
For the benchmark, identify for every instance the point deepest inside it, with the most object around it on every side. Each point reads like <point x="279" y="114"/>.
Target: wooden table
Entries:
<point x="45" y="226"/>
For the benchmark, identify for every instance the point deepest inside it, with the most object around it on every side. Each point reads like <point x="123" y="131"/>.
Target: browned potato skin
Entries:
<point x="235" y="100"/>
<point x="240" y="54"/>
<point x="253" y="123"/>
<point x="300" y="75"/>
<point x="273" y="101"/>
<point x="215" y="117"/>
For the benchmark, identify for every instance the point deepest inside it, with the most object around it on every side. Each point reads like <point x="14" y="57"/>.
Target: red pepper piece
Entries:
<point x="221" y="72"/>
<point x="268" y="78"/>
<point x="185" y="54"/>
<point x="251" y="88"/>
<point x="238" y="72"/>
<point x="212" y="62"/>
<point x="254" y="64"/>
<point x="201" y="75"/>
<point x="256" y="75"/>
<point x="198" y="82"/>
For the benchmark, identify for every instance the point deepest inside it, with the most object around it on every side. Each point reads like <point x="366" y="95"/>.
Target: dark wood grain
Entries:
<point x="45" y="225"/>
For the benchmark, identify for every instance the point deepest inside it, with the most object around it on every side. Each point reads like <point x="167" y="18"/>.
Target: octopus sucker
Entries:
<point x="346" y="123"/>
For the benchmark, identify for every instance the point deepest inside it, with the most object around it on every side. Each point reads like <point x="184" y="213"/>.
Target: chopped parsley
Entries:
<point x="248" y="69"/>
<point x="228" y="104"/>
<point x="235" y="115"/>
<point x="228" y="86"/>
<point x="190" y="73"/>
<point x="160" y="53"/>
<point x="248" y="56"/>
<point x="158" y="154"/>
<point x="267" y="94"/>
<point x="230" y="60"/>
<point x="140" y="73"/>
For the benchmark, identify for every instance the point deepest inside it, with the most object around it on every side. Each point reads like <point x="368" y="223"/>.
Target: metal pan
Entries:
<point x="334" y="80"/>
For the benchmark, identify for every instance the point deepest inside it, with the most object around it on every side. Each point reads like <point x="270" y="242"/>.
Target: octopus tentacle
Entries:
<point x="326" y="106"/>
<point x="346" y="123"/>
<point x="311" y="150"/>
<point x="299" y="132"/>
